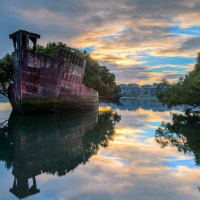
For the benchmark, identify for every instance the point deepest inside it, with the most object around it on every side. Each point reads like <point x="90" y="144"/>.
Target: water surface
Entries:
<point x="111" y="154"/>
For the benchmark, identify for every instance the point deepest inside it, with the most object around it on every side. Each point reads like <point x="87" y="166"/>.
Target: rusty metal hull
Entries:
<point x="43" y="83"/>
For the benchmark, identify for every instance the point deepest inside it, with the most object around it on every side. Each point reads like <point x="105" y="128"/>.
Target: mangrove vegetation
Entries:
<point x="186" y="91"/>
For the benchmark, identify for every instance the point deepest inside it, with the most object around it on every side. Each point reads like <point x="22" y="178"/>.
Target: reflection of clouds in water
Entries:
<point x="144" y="121"/>
<point x="7" y="180"/>
<point x="147" y="115"/>
<point x="5" y="106"/>
<point x="132" y="168"/>
<point x="5" y="110"/>
<point x="115" y="179"/>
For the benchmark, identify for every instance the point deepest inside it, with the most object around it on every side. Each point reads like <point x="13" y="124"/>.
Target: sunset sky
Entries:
<point x="140" y="41"/>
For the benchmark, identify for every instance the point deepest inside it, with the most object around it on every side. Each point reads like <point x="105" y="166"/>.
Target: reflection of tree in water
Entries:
<point x="183" y="133"/>
<point x="56" y="144"/>
<point x="6" y="145"/>
<point x="101" y="134"/>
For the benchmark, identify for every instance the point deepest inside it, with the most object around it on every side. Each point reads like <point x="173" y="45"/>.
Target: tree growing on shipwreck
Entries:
<point x="96" y="76"/>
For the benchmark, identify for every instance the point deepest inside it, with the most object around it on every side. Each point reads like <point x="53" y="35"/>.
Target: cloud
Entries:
<point x="119" y="32"/>
<point x="188" y="48"/>
<point x="144" y="75"/>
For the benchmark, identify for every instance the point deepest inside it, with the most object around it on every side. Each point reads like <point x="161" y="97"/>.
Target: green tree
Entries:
<point x="197" y="65"/>
<point x="96" y="76"/>
<point x="6" y="73"/>
<point x="184" y="92"/>
<point x="52" y="49"/>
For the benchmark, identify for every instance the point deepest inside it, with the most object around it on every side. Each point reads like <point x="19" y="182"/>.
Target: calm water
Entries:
<point x="114" y="154"/>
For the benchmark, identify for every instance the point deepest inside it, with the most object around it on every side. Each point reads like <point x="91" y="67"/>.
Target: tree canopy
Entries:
<point x="96" y="76"/>
<point x="6" y="73"/>
<point x="186" y="91"/>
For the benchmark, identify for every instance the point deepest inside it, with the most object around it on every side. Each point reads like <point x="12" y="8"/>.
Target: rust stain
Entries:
<point x="43" y="83"/>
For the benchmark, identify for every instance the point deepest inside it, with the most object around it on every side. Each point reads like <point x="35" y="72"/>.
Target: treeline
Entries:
<point x="184" y="92"/>
<point x="182" y="132"/>
<point x="6" y="74"/>
<point x="96" y="76"/>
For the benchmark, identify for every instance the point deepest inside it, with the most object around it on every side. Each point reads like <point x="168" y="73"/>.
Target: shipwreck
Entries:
<point x="44" y="83"/>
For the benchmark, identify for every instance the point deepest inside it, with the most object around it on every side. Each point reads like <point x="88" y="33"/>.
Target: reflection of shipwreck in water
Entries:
<point x="43" y="83"/>
<point x="56" y="144"/>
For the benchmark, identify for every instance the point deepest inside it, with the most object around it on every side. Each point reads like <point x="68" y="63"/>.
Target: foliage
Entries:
<point x="197" y="65"/>
<point x="52" y="49"/>
<point x="182" y="133"/>
<point x="6" y="73"/>
<point x="96" y="76"/>
<point x="184" y="92"/>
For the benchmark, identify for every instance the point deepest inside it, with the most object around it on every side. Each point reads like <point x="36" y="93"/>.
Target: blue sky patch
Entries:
<point x="158" y="60"/>
<point x="88" y="49"/>
<point x="177" y="31"/>
<point x="175" y="163"/>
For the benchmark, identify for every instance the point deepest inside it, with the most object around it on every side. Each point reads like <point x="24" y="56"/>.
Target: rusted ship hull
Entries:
<point x="43" y="83"/>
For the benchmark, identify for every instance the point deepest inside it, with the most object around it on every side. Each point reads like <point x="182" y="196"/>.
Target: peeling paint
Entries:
<point x="39" y="78"/>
